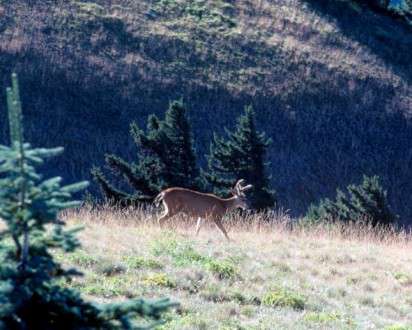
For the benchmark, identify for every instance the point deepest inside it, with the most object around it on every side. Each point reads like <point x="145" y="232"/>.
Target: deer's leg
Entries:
<point x="198" y="225"/>
<point x="163" y="217"/>
<point x="219" y="225"/>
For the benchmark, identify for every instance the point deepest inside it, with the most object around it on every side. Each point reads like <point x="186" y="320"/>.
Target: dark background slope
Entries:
<point x="330" y="80"/>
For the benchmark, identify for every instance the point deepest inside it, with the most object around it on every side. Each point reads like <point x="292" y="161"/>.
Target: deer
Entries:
<point x="201" y="206"/>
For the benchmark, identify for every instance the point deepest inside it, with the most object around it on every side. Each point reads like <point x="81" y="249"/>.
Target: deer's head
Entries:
<point x="238" y="192"/>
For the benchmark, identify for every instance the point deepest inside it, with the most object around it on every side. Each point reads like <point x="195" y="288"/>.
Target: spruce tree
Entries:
<point x="183" y="170"/>
<point x="241" y="156"/>
<point x="365" y="202"/>
<point x="31" y="294"/>
<point x="165" y="158"/>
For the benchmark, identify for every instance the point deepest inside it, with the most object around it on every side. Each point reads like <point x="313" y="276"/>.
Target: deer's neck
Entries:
<point x="230" y="203"/>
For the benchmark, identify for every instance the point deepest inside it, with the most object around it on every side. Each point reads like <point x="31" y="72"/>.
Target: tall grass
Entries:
<point x="277" y="222"/>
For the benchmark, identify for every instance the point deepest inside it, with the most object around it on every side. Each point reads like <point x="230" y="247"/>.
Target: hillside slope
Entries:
<point x="267" y="278"/>
<point x="330" y="80"/>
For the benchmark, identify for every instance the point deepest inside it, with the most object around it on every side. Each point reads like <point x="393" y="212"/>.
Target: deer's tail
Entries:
<point x="158" y="199"/>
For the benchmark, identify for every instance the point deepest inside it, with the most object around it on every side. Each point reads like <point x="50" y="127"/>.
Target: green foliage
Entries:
<point x="365" y="202"/>
<point x="280" y="297"/>
<point x="31" y="295"/>
<point x="139" y="262"/>
<point x="223" y="269"/>
<point x="186" y="254"/>
<point x="241" y="156"/>
<point x="159" y="279"/>
<point x="166" y="158"/>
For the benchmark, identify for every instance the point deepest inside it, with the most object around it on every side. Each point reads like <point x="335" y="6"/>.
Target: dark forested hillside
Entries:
<point x="331" y="83"/>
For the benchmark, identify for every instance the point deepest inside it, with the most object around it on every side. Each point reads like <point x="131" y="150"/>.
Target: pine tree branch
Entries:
<point x="112" y="194"/>
<point x="139" y="183"/>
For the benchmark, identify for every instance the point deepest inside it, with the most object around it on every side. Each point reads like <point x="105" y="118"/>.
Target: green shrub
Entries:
<point x="223" y="269"/>
<point x="365" y="202"/>
<point x="280" y="297"/>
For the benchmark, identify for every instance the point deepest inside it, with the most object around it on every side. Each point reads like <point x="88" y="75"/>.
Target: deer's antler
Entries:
<point x="239" y="188"/>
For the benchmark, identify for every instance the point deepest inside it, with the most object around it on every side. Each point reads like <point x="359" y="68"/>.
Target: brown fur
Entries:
<point x="199" y="205"/>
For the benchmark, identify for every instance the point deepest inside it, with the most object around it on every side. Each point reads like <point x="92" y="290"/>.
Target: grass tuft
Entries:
<point x="403" y="279"/>
<point x="107" y="268"/>
<point x="222" y="269"/>
<point x="322" y="317"/>
<point x="83" y="259"/>
<point x="280" y="297"/>
<point x="398" y="327"/>
<point x="133" y="262"/>
<point x="159" y="279"/>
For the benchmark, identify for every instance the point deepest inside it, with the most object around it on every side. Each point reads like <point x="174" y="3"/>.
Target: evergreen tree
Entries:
<point x="183" y="169"/>
<point x="364" y="202"/>
<point x="166" y="157"/>
<point x="31" y="295"/>
<point x="241" y="156"/>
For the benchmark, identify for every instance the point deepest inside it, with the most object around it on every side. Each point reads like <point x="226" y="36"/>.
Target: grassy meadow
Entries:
<point x="272" y="275"/>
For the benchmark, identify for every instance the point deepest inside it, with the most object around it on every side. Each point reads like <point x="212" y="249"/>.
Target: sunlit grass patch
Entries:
<point x="281" y="297"/>
<point x="109" y="287"/>
<point x="403" y="278"/>
<point x="183" y="254"/>
<point x="159" y="279"/>
<point x="398" y="327"/>
<point x="322" y="317"/>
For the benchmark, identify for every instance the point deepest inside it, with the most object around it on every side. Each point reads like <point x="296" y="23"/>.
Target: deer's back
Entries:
<point x="193" y="202"/>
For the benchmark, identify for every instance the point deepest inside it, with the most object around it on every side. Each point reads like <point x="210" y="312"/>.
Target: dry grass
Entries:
<point x="273" y="275"/>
